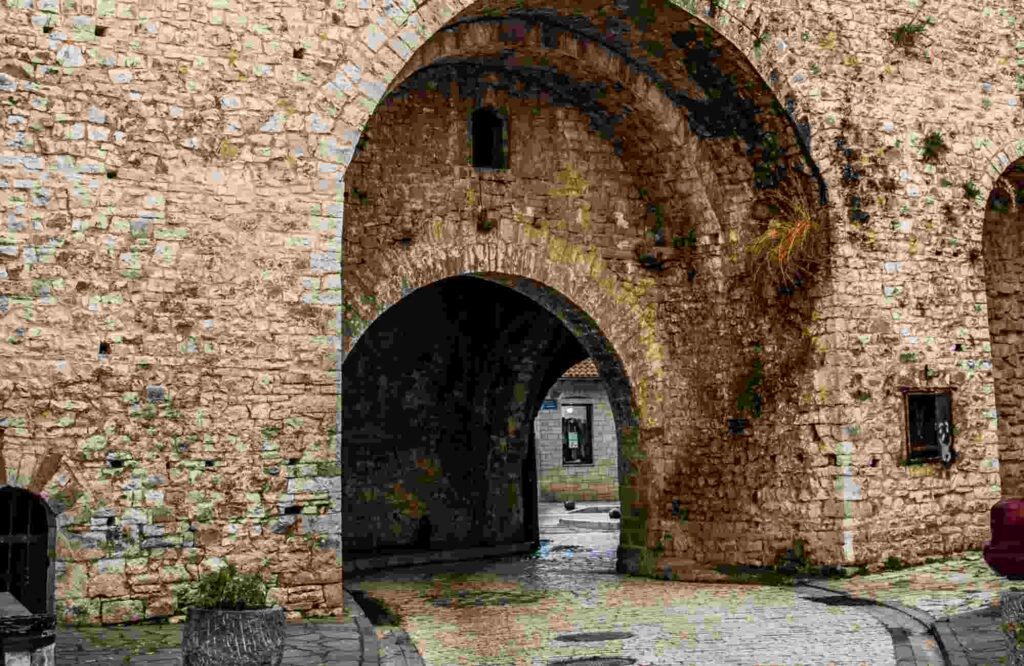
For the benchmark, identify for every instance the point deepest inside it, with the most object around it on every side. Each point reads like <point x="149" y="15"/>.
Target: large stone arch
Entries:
<point x="607" y="315"/>
<point x="353" y="92"/>
<point x="395" y="228"/>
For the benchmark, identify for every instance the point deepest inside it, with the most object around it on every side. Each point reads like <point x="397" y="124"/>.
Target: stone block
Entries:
<point x="124" y="610"/>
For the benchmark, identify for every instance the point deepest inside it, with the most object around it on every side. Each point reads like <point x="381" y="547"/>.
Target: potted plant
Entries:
<point x="229" y="621"/>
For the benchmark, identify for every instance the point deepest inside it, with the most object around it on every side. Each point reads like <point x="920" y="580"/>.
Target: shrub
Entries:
<point x="789" y="249"/>
<point x="226" y="588"/>
<point x="893" y="563"/>
<point x="933" y="145"/>
<point x="906" y="34"/>
<point x="971" y="190"/>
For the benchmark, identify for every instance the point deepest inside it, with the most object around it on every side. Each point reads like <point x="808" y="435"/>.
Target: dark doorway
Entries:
<point x="439" y="398"/>
<point x="25" y="535"/>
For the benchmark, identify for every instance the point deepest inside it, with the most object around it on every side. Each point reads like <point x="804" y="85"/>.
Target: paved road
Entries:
<point x="513" y="612"/>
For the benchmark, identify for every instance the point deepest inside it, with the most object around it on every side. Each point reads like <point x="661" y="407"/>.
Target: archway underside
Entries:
<point x="439" y="400"/>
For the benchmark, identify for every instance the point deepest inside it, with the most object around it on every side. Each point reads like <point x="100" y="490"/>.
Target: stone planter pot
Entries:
<point x="215" y="637"/>
<point x="1012" y="610"/>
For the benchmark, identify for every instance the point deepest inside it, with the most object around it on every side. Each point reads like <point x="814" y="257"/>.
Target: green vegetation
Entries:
<point x="224" y="589"/>
<point x="138" y="638"/>
<point x="689" y="240"/>
<point x="750" y="401"/>
<point x="785" y="251"/>
<point x="893" y="563"/>
<point x="906" y="35"/>
<point x="788" y="567"/>
<point x="971" y="190"/>
<point x="933" y="145"/>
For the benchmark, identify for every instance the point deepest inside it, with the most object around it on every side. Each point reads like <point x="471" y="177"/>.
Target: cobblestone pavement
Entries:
<point x="513" y="612"/>
<point x="961" y="594"/>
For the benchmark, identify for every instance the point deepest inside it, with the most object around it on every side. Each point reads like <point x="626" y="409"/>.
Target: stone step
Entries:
<point x="604" y="525"/>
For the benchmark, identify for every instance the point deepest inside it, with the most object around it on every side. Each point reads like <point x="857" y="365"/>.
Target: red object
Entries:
<point x="1005" y="552"/>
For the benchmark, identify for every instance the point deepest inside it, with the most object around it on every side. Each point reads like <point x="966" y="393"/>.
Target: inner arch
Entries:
<point x="439" y="398"/>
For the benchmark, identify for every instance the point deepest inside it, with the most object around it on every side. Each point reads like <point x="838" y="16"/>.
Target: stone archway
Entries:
<point x="611" y="151"/>
<point x="1002" y="240"/>
<point x="441" y="391"/>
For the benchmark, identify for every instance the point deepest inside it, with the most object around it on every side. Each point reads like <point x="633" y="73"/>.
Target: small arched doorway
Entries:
<point x="26" y="544"/>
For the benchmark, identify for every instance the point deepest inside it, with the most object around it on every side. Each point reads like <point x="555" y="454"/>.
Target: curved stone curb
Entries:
<point x="396" y="649"/>
<point x="368" y="643"/>
<point x="601" y="525"/>
<point x="952" y="651"/>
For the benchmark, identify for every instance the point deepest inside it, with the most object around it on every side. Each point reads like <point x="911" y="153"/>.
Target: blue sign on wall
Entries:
<point x="549" y="404"/>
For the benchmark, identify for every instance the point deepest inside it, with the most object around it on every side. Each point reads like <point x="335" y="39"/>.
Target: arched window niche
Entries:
<point x="27" y="543"/>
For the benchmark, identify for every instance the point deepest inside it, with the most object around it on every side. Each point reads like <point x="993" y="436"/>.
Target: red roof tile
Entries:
<point x="583" y="370"/>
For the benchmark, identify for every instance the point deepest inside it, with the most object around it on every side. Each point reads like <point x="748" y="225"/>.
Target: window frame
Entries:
<point x="589" y="434"/>
<point x="913" y="452"/>
<point x="501" y="115"/>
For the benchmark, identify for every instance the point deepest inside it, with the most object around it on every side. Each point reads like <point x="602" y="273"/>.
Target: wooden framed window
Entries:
<point x="929" y="416"/>
<point x="488" y="130"/>
<point x="577" y="435"/>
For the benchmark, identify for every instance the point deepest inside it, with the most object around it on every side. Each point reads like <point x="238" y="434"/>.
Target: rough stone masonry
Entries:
<point x="184" y="312"/>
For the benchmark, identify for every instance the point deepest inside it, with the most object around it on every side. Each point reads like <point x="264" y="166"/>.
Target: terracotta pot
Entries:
<point x="215" y="637"/>
<point x="1012" y="610"/>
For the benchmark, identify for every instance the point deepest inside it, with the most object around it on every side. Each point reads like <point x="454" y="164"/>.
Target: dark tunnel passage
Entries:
<point x="438" y="402"/>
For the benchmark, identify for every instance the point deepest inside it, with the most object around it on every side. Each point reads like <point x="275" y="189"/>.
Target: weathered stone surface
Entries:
<point x="172" y="205"/>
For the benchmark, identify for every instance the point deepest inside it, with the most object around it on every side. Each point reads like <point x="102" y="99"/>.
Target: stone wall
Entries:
<point x="597" y="480"/>
<point x="172" y="178"/>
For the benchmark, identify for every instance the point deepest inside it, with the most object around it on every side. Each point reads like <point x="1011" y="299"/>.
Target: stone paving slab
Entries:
<point x="513" y="611"/>
<point x="604" y="524"/>
<point x="958" y="596"/>
<point x="978" y="634"/>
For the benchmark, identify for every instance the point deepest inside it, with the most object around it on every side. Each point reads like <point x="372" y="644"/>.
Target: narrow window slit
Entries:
<point x="489" y="135"/>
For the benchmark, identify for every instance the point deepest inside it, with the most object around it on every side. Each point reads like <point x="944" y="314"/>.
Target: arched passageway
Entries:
<point x="439" y="400"/>
<point x="1003" y="240"/>
<point x="634" y="180"/>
